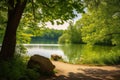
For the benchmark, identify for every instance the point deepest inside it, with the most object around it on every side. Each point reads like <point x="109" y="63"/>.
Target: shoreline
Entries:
<point x="66" y="71"/>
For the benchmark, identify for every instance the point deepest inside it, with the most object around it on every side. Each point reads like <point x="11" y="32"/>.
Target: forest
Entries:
<point x="100" y="24"/>
<point x="94" y="39"/>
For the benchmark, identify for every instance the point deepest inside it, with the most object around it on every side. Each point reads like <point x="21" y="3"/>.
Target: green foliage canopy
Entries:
<point x="99" y="24"/>
<point x="40" y="11"/>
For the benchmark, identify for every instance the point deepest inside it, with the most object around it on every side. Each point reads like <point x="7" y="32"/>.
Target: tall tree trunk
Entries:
<point x="15" y="11"/>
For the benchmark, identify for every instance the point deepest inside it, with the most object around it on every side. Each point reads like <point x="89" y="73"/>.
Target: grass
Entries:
<point x="111" y="58"/>
<point x="16" y="69"/>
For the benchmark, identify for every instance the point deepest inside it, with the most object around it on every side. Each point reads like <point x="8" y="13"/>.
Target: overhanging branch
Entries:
<point x="112" y="33"/>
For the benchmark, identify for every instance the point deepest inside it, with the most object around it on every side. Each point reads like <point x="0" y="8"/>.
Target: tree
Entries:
<point x="44" y="10"/>
<point x="15" y="11"/>
<point x="72" y="34"/>
<point x="75" y="33"/>
<point x="100" y="24"/>
<point x="47" y="34"/>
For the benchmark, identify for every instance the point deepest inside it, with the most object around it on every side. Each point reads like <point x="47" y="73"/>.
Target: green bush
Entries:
<point x="21" y="49"/>
<point x="16" y="68"/>
<point x="65" y="38"/>
<point x="111" y="58"/>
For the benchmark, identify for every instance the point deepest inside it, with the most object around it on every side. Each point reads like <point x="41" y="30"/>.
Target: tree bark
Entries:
<point x="15" y="11"/>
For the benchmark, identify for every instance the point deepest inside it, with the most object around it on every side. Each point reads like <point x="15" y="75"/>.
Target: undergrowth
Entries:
<point x="112" y="58"/>
<point x="16" y="68"/>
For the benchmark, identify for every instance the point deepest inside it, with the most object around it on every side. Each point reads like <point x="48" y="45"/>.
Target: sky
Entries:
<point x="64" y="26"/>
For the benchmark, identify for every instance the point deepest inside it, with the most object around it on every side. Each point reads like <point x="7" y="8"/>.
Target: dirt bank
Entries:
<point x="67" y="71"/>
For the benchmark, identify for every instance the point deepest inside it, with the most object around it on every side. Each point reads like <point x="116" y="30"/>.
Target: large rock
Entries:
<point x="41" y="64"/>
<point x="56" y="57"/>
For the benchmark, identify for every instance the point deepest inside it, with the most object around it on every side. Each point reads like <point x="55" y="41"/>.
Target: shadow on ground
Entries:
<point x="88" y="74"/>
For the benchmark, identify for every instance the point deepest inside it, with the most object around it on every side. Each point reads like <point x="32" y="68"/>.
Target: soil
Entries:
<point x="65" y="71"/>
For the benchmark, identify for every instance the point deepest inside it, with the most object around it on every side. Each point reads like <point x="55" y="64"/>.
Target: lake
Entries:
<point x="72" y="53"/>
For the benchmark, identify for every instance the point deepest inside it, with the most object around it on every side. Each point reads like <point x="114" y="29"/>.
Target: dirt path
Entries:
<point x="82" y="72"/>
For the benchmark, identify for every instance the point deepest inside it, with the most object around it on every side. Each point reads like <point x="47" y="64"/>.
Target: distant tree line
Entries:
<point x="47" y="34"/>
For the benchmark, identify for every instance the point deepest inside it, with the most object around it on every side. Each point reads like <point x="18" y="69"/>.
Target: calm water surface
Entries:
<point x="70" y="52"/>
<point x="45" y="50"/>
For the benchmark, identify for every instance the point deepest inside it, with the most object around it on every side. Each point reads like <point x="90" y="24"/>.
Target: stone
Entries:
<point x="56" y="57"/>
<point x="42" y="64"/>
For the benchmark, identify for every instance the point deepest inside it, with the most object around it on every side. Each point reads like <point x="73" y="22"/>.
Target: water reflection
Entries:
<point x="45" y="50"/>
<point x="74" y="53"/>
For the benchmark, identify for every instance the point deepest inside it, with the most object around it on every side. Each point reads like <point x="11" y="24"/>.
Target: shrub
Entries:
<point x="111" y="58"/>
<point x="65" y="38"/>
<point x="15" y="69"/>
